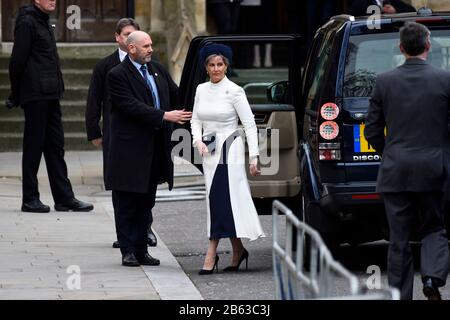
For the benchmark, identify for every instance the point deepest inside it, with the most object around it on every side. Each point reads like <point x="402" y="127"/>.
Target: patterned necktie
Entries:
<point x="147" y="80"/>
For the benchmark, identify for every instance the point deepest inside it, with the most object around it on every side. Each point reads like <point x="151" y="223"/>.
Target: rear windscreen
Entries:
<point x="371" y="54"/>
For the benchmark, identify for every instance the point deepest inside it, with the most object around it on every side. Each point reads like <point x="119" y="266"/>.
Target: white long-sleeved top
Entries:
<point x="217" y="109"/>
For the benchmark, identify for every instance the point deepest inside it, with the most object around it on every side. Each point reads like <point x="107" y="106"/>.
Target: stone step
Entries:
<point x="77" y="50"/>
<point x="66" y="63"/>
<point x="74" y="93"/>
<point x="77" y="62"/>
<point x="69" y="108"/>
<point x="73" y="141"/>
<point x="72" y="77"/>
<point x="16" y="124"/>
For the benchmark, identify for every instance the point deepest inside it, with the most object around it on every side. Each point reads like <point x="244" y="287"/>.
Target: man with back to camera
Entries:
<point x="37" y="86"/>
<point x="412" y="102"/>
<point x="98" y="105"/>
<point x="142" y="97"/>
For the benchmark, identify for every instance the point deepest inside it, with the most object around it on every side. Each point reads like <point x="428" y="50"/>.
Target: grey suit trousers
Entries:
<point x="402" y="209"/>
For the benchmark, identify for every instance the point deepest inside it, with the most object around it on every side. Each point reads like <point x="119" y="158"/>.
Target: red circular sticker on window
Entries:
<point x="329" y="130"/>
<point x="329" y="111"/>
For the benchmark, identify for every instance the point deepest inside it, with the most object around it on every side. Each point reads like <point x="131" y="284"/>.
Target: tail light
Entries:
<point x="329" y="132"/>
<point x="329" y="151"/>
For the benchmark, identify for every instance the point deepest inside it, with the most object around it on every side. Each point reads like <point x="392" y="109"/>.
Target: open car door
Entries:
<point x="281" y="60"/>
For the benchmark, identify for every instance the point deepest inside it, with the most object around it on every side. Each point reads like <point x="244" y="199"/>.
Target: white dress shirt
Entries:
<point x="122" y="54"/>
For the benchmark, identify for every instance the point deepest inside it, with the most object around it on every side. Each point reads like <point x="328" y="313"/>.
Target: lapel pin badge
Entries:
<point x="156" y="74"/>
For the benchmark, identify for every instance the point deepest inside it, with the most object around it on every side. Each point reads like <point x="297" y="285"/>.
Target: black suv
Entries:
<point x="338" y="167"/>
<point x="317" y="103"/>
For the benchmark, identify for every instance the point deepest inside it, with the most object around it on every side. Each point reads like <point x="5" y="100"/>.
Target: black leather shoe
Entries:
<point x="151" y="238"/>
<point x="35" y="206"/>
<point x="129" y="260"/>
<point x="116" y="244"/>
<point x="148" y="260"/>
<point x="430" y="289"/>
<point x="74" y="205"/>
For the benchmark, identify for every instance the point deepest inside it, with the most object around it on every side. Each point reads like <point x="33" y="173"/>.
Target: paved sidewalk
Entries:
<point x="61" y="255"/>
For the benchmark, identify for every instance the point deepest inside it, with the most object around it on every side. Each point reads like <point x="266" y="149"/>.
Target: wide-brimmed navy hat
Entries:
<point x="216" y="48"/>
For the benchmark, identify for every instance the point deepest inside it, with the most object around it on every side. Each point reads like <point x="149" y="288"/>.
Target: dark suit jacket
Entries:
<point x="412" y="101"/>
<point x="135" y="123"/>
<point x="99" y="106"/>
<point x="34" y="69"/>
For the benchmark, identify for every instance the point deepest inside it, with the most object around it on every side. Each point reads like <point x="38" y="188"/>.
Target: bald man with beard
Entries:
<point x="143" y="99"/>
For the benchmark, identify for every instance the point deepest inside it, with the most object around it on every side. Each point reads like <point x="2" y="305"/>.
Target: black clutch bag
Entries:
<point x="210" y="141"/>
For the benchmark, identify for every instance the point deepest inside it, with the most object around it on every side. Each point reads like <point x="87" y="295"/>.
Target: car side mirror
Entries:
<point x="277" y="92"/>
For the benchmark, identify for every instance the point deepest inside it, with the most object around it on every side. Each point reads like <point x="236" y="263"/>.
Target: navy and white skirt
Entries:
<point x="231" y="211"/>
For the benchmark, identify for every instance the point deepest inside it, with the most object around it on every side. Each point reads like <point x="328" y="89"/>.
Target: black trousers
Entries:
<point x="133" y="215"/>
<point x="44" y="134"/>
<point x="150" y="219"/>
<point x="133" y="211"/>
<point x="402" y="209"/>
<point x="226" y="16"/>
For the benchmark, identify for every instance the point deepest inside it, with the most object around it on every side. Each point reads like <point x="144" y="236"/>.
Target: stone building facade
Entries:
<point x="172" y="23"/>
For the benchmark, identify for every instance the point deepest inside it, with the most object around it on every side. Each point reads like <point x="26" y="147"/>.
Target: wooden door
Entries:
<point x="10" y="8"/>
<point x="98" y="19"/>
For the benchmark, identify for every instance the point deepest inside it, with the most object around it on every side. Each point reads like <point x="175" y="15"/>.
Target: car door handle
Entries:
<point x="264" y="133"/>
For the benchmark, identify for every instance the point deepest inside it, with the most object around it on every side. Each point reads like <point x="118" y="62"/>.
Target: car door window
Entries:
<point x="321" y="56"/>
<point x="371" y="54"/>
<point x="311" y="66"/>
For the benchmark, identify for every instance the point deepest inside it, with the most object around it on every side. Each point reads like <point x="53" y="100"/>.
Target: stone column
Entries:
<point x="439" y="5"/>
<point x="200" y="16"/>
<point x="436" y="5"/>
<point x="143" y="12"/>
<point x="185" y="19"/>
<point x="416" y="3"/>
<point x="157" y="16"/>
<point x="149" y="15"/>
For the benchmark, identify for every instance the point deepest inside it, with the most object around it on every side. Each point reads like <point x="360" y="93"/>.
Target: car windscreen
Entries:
<point x="371" y="54"/>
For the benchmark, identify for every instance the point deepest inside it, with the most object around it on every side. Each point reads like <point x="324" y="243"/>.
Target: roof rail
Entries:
<point x="344" y="17"/>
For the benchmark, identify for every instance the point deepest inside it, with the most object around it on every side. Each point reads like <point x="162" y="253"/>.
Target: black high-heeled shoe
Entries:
<point x="244" y="256"/>
<point x="216" y="266"/>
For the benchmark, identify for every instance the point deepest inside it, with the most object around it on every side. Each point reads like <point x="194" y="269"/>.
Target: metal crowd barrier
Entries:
<point x="315" y="277"/>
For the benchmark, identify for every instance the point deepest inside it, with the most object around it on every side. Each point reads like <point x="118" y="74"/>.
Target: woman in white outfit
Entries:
<point x="219" y="104"/>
